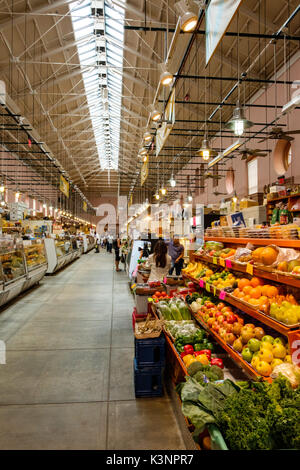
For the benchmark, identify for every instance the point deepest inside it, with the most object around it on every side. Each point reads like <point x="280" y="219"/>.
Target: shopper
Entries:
<point x="116" y="246"/>
<point x="159" y="262"/>
<point x="176" y="251"/>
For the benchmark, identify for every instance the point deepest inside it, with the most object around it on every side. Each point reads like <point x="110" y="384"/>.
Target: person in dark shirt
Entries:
<point x="176" y="251"/>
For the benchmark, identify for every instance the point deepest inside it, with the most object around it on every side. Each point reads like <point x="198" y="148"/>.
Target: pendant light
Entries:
<point x="2" y="187"/>
<point x="205" y="151"/>
<point x="143" y="151"/>
<point x="172" y="181"/>
<point x="238" y="123"/>
<point x="155" y="115"/>
<point x="147" y="136"/>
<point x="234" y="198"/>
<point x="166" y="78"/>
<point x="188" y="22"/>
<point x="163" y="190"/>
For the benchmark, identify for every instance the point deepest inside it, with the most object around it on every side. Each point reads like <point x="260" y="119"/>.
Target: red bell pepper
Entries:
<point x="207" y="352"/>
<point x="183" y="354"/>
<point x="188" y="348"/>
<point x="216" y="361"/>
<point x="197" y="353"/>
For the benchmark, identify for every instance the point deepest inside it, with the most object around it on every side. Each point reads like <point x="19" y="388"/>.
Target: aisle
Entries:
<point x="68" y="380"/>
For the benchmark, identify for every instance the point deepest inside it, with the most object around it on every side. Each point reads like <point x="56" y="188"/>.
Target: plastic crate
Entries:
<point x="150" y="352"/>
<point x="147" y="381"/>
<point x="137" y="317"/>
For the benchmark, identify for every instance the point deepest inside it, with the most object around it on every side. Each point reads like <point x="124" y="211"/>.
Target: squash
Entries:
<point x="269" y="255"/>
<point x="256" y="254"/>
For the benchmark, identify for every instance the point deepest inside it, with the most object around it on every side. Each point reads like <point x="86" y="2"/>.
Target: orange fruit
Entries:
<point x="236" y="292"/>
<point x="263" y="299"/>
<point x="241" y="294"/>
<point x="247" y="298"/>
<point x="272" y="291"/>
<point x="247" y="290"/>
<point x="256" y="254"/>
<point x="243" y="283"/>
<point x="256" y="281"/>
<point x="255" y="292"/>
<point x="264" y="289"/>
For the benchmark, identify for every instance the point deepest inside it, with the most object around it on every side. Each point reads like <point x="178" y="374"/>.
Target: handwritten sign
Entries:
<point x="207" y="287"/>
<point x="215" y="290"/>
<point x="215" y="260"/>
<point x="222" y="295"/>
<point x="201" y="283"/>
<point x="228" y="263"/>
<point x="249" y="269"/>
<point x="165" y="280"/>
<point x="222" y="262"/>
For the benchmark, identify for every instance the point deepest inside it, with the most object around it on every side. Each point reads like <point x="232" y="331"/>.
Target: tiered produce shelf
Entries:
<point x="256" y="241"/>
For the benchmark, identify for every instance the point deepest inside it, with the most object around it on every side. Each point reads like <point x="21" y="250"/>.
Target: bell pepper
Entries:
<point x="203" y="359"/>
<point x="183" y="354"/>
<point x="216" y="361"/>
<point x="198" y="346"/>
<point x="188" y="348"/>
<point x="187" y="358"/>
<point x="207" y="352"/>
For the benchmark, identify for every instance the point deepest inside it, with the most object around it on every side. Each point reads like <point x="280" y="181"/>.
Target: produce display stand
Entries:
<point x="292" y="333"/>
<point x="285" y="243"/>
<point x="242" y="268"/>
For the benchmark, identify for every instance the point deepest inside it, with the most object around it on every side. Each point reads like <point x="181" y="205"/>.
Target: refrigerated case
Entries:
<point x="59" y="253"/>
<point x="12" y="270"/>
<point x="36" y="261"/>
<point x="88" y="243"/>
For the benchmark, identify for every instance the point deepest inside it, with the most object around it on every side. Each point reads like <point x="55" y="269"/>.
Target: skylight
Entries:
<point x="95" y="23"/>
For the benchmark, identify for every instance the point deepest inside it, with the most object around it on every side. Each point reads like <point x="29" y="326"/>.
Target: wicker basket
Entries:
<point x="155" y="334"/>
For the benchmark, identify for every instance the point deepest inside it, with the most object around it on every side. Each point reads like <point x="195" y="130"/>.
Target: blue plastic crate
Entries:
<point x="150" y="352"/>
<point x="147" y="381"/>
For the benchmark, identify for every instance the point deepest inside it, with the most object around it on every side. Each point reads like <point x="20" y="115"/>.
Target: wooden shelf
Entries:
<point x="265" y="319"/>
<point x="291" y="281"/>
<point x="277" y="199"/>
<point x="250" y="371"/>
<point x="256" y="241"/>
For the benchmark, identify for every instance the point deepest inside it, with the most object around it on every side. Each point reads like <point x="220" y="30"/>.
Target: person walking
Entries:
<point x="117" y="245"/>
<point x="176" y="251"/>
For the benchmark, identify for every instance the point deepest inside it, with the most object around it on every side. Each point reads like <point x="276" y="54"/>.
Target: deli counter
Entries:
<point x="60" y="253"/>
<point x="88" y="243"/>
<point x="21" y="266"/>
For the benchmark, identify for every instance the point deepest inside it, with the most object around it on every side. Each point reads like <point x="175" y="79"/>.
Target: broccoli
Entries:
<point x="200" y="377"/>
<point x="194" y="368"/>
<point x="211" y="376"/>
<point x="218" y="372"/>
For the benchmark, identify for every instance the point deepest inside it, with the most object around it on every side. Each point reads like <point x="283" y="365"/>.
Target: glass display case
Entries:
<point x="12" y="260"/>
<point x="35" y="255"/>
<point x="60" y="248"/>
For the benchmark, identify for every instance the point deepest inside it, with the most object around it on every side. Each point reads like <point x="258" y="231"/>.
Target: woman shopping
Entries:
<point x="159" y="262"/>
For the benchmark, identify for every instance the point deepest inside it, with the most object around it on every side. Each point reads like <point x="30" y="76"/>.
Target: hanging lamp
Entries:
<point x="166" y="78"/>
<point x="172" y="181"/>
<point x="147" y="136"/>
<point x="155" y="115"/>
<point x="188" y="22"/>
<point x="205" y="151"/>
<point x="238" y="123"/>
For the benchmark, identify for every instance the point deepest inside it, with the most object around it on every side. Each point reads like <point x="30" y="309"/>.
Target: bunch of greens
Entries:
<point x="198" y="339"/>
<point x="200" y="402"/>
<point x="205" y="373"/>
<point x="266" y="416"/>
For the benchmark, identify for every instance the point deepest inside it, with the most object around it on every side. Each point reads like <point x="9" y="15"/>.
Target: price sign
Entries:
<point x="207" y="287"/>
<point x="201" y="283"/>
<point x="222" y="262"/>
<point x="215" y="290"/>
<point x="222" y="295"/>
<point x="228" y="263"/>
<point x="165" y="280"/>
<point x="215" y="260"/>
<point x="249" y="269"/>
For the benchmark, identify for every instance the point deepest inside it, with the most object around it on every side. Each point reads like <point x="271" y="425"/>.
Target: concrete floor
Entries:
<point x="68" y="378"/>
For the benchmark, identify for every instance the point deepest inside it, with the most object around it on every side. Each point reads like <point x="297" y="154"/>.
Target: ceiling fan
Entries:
<point x="217" y="193"/>
<point x="245" y="153"/>
<point x="278" y="133"/>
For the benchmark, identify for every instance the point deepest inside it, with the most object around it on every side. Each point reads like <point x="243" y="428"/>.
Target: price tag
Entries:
<point x="150" y="299"/>
<point x="222" y="295"/>
<point x="215" y="260"/>
<point x="222" y="262"/>
<point x="228" y="263"/>
<point x="201" y="283"/>
<point x="165" y="280"/>
<point x="215" y="290"/>
<point x="207" y="287"/>
<point x="249" y="269"/>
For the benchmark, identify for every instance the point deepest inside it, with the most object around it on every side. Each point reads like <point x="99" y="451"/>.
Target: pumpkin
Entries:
<point x="269" y="256"/>
<point x="256" y="254"/>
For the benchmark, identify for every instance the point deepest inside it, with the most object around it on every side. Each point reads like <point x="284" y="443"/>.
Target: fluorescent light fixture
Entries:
<point x="295" y="101"/>
<point x="226" y="152"/>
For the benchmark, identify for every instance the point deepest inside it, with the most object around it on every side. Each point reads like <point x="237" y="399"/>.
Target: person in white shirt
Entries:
<point x="159" y="262"/>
